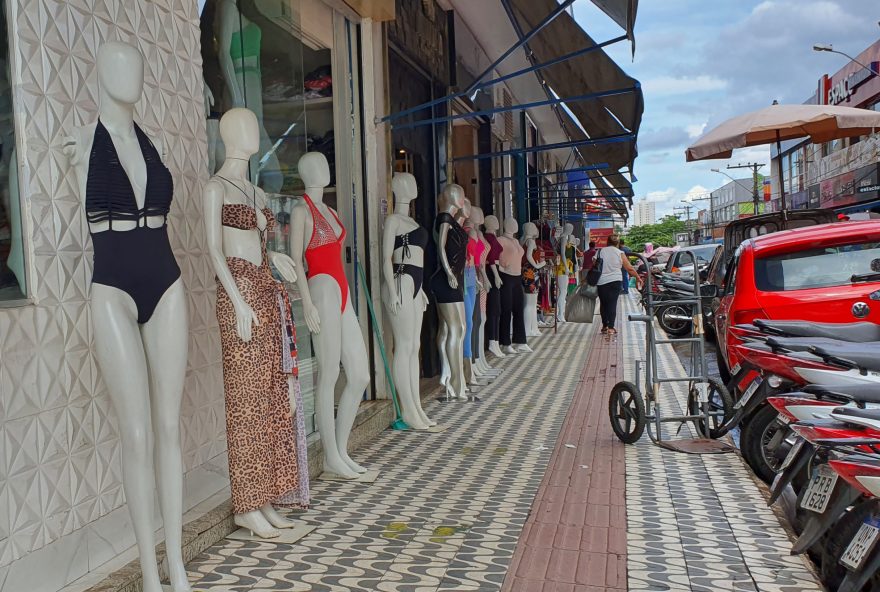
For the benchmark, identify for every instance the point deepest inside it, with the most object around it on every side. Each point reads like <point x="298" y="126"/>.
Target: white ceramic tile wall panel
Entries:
<point x="60" y="469"/>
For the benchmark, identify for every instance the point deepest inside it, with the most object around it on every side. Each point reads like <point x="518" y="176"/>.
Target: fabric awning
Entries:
<point x="622" y="12"/>
<point x="589" y="73"/>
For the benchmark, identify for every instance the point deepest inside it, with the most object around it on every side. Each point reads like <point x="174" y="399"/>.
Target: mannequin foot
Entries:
<point x="495" y="349"/>
<point x="427" y="420"/>
<point x="276" y="519"/>
<point x="524" y="348"/>
<point x="351" y="464"/>
<point x="339" y="468"/>
<point x="257" y="524"/>
<point x="509" y="349"/>
<point x="177" y="576"/>
<point x="415" y="421"/>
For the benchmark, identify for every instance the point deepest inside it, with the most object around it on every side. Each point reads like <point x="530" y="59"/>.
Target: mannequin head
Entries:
<point x="121" y="72"/>
<point x="492" y="225"/>
<point x="511" y="226"/>
<point x="466" y="209"/>
<point x="314" y="170"/>
<point x="240" y="131"/>
<point x="576" y="242"/>
<point x="477" y="216"/>
<point x="569" y="228"/>
<point x="530" y="230"/>
<point x="451" y="198"/>
<point x="404" y="187"/>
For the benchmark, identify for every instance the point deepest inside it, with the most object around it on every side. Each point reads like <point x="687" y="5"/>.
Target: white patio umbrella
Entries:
<point x="820" y="123"/>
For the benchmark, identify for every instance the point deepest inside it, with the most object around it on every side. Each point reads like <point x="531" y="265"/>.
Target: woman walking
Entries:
<point x="614" y="262"/>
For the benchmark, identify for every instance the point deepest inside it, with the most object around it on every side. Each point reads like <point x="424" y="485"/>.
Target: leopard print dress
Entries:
<point x="268" y="461"/>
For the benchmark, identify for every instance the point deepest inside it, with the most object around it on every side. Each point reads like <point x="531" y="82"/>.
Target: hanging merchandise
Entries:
<point x="321" y="80"/>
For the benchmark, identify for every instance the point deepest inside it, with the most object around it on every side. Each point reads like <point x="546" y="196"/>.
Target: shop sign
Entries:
<point x="844" y="89"/>
<point x="800" y="200"/>
<point x="838" y="93"/>
<point x="814" y="194"/>
<point x="868" y="182"/>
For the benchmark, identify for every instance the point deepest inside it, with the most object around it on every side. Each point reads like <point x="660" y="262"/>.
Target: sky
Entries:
<point x="701" y="62"/>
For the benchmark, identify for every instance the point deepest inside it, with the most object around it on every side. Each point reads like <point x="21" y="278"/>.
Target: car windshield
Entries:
<point x="815" y="268"/>
<point x="703" y="254"/>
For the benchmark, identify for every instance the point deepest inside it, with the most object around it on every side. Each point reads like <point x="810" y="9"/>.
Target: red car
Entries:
<point x="825" y="273"/>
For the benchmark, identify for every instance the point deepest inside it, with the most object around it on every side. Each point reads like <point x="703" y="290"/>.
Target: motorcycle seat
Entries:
<point x="800" y="344"/>
<point x="860" y="393"/>
<point x="679" y="287"/>
<point x="844" y="412"/>
<point x="865" y="355"/>
<point x="855" y="332"/>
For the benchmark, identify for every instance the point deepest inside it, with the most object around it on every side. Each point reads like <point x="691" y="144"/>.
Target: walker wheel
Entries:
<point x="626" y="408"/>
<point x="720" y="408"/>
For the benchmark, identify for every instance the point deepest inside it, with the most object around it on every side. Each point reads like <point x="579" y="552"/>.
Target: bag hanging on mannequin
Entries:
<point x="596" y="271"/>
<point x="581" y="307"/>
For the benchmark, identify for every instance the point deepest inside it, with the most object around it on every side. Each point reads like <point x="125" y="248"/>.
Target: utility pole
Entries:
<point x="711" y="213"/>
<point x="687" y="210"/>
<point x="754" y="166"/>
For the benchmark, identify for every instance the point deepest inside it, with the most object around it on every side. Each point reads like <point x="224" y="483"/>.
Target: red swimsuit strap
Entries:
<point x="322" y="232"/>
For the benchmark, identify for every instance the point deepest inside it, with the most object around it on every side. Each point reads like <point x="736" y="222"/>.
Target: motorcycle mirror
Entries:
<point x="875" y="265"/>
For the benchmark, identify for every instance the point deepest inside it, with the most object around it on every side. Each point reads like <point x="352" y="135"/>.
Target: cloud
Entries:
<point x="662" y="195"/>
<point x="662" y="138"/>
<point x="695" y="130"/>
<point x="670" y="85"/>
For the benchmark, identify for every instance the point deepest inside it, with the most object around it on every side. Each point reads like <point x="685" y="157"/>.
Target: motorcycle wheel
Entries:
<point x="756" y="436"/>
<point x="837" y="541"/>
<point x="719" y="400"/>
<point x="674" y="327"/>
<point x="626" y="409"/>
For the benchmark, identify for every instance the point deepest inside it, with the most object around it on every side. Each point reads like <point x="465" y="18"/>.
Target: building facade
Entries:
<point x="842" y="174"/>
<point x="644" y="212"/>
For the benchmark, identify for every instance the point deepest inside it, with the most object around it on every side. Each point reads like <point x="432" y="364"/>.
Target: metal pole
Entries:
<point x="618" y="139"/>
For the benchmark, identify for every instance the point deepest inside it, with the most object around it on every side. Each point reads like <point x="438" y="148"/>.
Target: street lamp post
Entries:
<point x="829" y="48"/>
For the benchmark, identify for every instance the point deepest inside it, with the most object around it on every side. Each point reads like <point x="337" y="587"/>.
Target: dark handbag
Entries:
<point x="596" y="271"/>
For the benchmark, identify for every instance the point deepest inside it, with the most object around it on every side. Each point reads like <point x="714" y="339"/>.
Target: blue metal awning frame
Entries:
<point x="558" y="145"/>
<point x="596" y="167"/>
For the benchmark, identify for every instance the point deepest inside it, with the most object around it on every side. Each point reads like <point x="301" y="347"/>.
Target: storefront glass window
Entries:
<point x="256" y="55"/>
<point x="12" y="266"/>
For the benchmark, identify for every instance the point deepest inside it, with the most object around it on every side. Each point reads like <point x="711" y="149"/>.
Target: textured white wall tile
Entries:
<point x="59" y="463"/>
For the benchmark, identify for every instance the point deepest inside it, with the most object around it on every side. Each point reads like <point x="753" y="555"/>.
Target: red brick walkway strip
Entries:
<point x="575" y="537"/>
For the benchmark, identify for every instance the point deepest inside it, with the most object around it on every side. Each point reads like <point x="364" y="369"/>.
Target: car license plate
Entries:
<point x="792" y="454"/>
<point x="818" y="494"/>
<point x="753" y="388"/>
<point x="735" y="370"/>
<point x="861" y="544"/>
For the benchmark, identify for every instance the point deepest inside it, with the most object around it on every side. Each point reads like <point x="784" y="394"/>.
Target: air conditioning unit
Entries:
<point x="502" y="123"/>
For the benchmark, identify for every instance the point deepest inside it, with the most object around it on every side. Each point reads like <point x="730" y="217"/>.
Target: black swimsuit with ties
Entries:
<point x="456" y="254"/>
<point x="138" y="261"/>
<point x="417" y="237"/>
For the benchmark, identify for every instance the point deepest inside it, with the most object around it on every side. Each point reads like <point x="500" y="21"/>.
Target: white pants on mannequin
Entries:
<point x="337" y="341"/>
<point x="450" y="343"/>
<point x="531" y="315"/>
<point x="561" y="295"/>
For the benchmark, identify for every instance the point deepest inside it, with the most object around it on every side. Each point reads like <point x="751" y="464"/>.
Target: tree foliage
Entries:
<point x="661" y="234"/>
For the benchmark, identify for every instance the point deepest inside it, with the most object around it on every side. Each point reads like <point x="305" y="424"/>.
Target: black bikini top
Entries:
<point x="456" y="241"/>
<point x="109" y="193"/>
<point x="418" y="237"/>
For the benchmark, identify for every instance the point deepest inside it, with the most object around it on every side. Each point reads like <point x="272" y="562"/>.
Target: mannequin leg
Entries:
<point x="406" y="340"/>
<point x="328" y="350"/>
<point x="165" y="339"/>
<point x="355" y="361"/>
<point x="531" y="315"/>
<point x="453" y="316"/>
<point x="493" y="319"/>
<point x="561" y="293"/>
<point x="418" y="315"/>
<point x="442" y="339"/>
<point x="507" y="287"/>
<point x="470" y="299"/>
<point x="518" y="310"/>
<point x="119" y="351"/>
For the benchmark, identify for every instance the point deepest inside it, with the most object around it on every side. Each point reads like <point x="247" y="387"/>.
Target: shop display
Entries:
<point x="403" y="263"/>
<point x="266" y="442"/>
<point x="12" y="266"/>
<point x="472" y="285"/>
<point x="447" y="285"/>
<point x="479" y="336"/>
<point x="512" y="320"/>
<point x="141" y="350"/>
<point x="532" y="262"/>
<point x="317" y="240"/>
<point x="493" y="298"/>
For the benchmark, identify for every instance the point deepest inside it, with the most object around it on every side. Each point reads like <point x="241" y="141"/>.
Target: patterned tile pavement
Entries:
<point x="698" y="522"/>
<point x="447" y="509"/>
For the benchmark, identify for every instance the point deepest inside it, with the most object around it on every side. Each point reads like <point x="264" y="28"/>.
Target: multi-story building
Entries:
<point x="731" y="201"/>
<point x="644" y="212"/>
<point x="841" y="174"/>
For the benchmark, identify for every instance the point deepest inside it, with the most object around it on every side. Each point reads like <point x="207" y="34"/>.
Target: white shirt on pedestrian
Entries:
<point x="612" y="265"/>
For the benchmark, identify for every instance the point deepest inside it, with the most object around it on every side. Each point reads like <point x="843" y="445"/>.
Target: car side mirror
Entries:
<point x="710" y="291"/>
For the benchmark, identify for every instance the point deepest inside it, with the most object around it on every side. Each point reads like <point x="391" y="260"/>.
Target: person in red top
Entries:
<point x="589" y="257"/>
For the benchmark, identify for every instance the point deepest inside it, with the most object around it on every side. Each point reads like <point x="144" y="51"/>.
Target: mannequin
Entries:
<point x="403" y="263"/>
<point x="473" y="283"/>
<point x="574" y="257"/>
<point x="479" y="337"/>
<point x="316" y="237"/>
<point x="562" y="273"/>
<point x="447" y="284"/>
<point x="530" y="279"/>
<point x="239" y="56"/>
<point x="511" y="291"/>
<point x="140" y="325"/>
<point x="493" y="300"/>
<point x="259" y="425"/>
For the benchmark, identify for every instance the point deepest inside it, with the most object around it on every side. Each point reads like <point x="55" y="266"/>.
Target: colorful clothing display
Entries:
<point x="268" y="457"/>
<point x="530" y="272"/>
<point x="323" y="254"/>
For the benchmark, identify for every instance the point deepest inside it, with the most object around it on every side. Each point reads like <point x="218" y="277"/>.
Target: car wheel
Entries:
<point x="755" y="440"/>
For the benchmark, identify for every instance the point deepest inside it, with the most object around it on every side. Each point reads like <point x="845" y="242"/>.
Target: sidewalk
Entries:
<point x="529" y="490"/>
